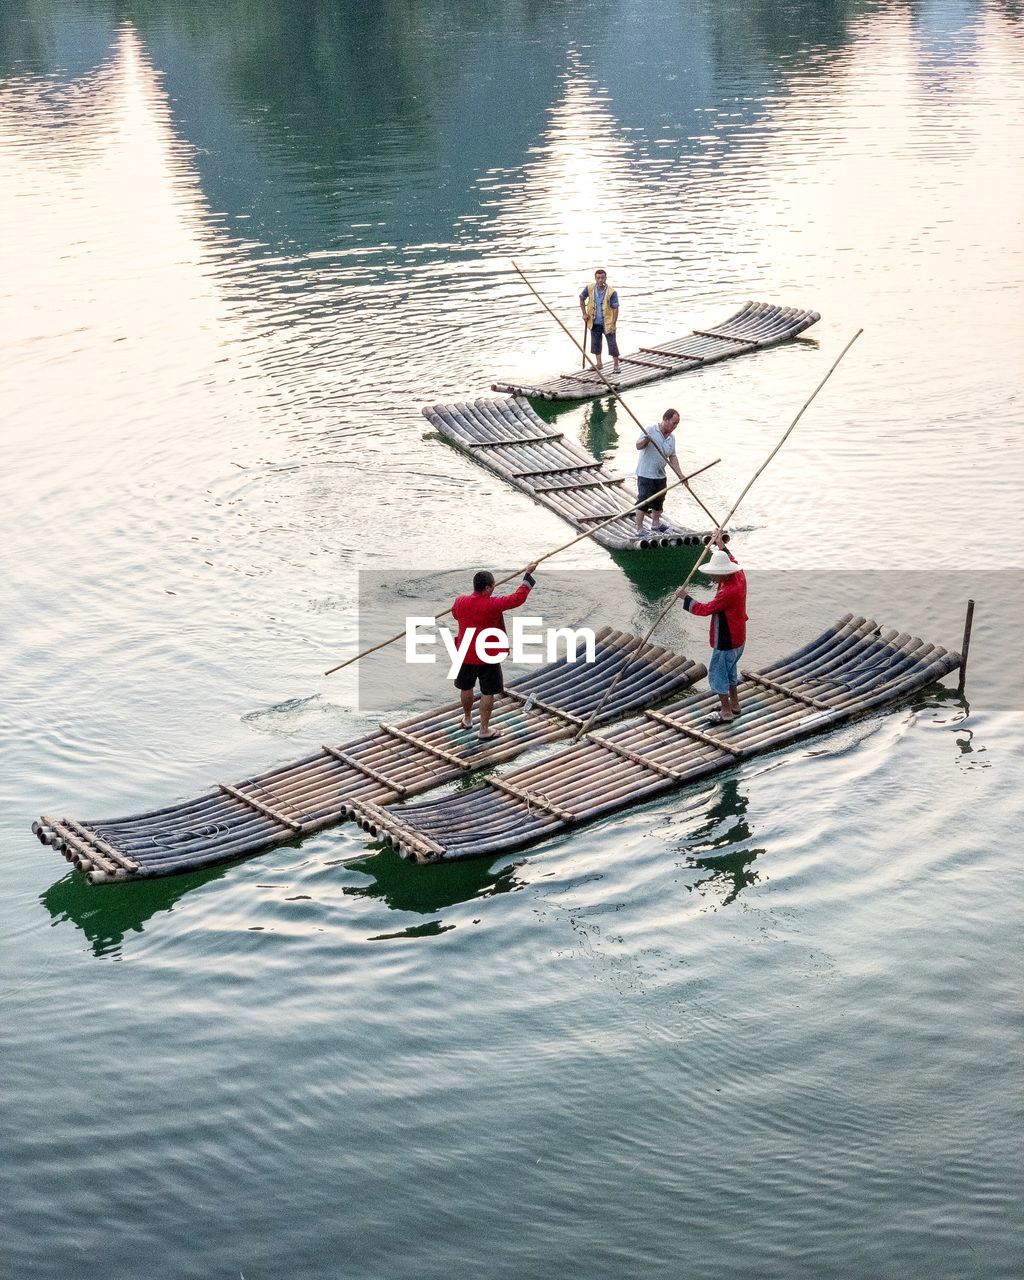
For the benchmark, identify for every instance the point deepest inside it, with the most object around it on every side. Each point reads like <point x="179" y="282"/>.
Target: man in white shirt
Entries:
<point x="657" y="447"/>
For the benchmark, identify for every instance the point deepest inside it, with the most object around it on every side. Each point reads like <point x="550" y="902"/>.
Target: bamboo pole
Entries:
<point x="587" y="533"/>
<point x="749" y="485"/>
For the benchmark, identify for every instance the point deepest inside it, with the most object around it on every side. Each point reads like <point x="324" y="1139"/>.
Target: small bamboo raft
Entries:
<point x="508" y="437"/>
<point x="755" y="326"/>
<point x="851" y="669"/>
<point x="401" y="760"/>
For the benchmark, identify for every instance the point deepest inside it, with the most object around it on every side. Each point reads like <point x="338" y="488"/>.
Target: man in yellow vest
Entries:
<point x="600" y="307"/>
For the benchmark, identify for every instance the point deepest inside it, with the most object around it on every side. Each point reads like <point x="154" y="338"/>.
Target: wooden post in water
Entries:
<point x="965" y="646"/>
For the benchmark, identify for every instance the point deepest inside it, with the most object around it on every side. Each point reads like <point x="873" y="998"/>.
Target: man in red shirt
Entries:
<point x="728" y="614"/>
<point x="480" y="621"/>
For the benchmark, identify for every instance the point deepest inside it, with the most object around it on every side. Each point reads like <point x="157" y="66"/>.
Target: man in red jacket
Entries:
<point x="728" y="613"/>
<point x="476" y="615"/>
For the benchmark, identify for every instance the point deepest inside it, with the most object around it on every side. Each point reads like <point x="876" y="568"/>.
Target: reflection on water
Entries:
<point x="714" y="842"/>
<point x="108" y="918"/>
<point x="405" y="886"/>
<point x="599" y="428"/>
<point x="730" y="873"/>
<point x="655" y="575"/>
<point x="952" y="708"/>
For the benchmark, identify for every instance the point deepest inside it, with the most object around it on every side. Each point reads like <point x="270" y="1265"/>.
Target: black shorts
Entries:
<point x="645" y="487"/>
<point x="488" y="673"/>
<point x="596" y="333"/>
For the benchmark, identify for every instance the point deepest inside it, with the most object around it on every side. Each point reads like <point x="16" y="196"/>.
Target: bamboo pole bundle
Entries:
<point x="545" y="706"/>
<point x="312" y="786"/>
<point x="851" y="669"/>
<point x="517" y="831"/>
<point x="509" y="450"/>
<point x="754" y="327"/>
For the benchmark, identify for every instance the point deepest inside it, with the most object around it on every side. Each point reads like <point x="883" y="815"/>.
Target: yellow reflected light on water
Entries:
<point x="110" y="261"/>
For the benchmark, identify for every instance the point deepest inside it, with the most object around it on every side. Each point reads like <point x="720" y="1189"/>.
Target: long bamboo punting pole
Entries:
<point x="720" y="528"/>
<point x="611" y="387"/>
<point x="587" y="533"/>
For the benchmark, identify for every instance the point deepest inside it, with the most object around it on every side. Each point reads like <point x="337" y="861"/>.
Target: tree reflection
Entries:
<point x="771" y="30"/>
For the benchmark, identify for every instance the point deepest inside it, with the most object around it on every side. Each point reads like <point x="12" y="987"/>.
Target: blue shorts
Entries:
<point x="596" y="334"/>
<point x="723" y="669"/>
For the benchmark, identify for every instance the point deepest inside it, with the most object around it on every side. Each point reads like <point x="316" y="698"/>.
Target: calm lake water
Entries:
<point x="767" y="1027"/>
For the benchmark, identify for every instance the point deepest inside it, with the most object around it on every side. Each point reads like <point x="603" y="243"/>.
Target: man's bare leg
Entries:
<point x="466" y="698"/>
<point x="734" y="699"/>
<point x="486" y="706"/>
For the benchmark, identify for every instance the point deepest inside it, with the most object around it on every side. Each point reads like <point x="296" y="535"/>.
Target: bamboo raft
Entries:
<point x="851" y="669"/>
<point x="508" y="438"/>
<point x="395" y="761"/>
<point x="755" y="326"/>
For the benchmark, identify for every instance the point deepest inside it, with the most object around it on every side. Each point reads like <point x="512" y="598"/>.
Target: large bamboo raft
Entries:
<point x="849" y="670"/>
<point x="509" y="438"/>
<point x="400" y="760"/>
<point x="755" y="326"/>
